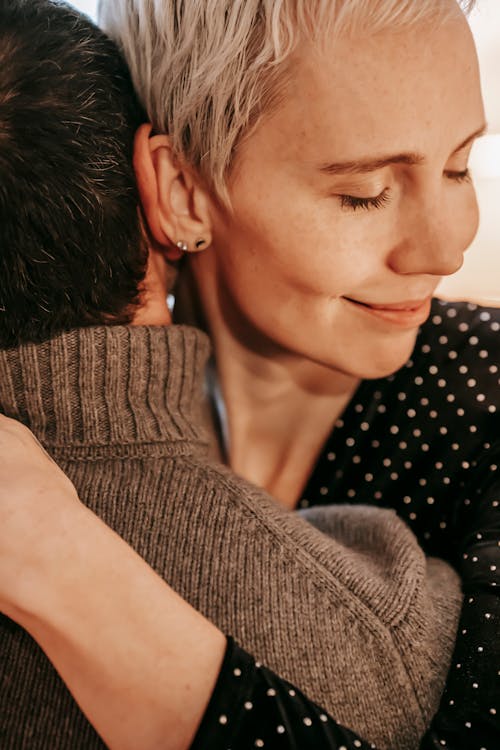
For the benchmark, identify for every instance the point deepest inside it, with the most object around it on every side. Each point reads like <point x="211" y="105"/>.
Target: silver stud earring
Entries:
<point x="182" y="246"/>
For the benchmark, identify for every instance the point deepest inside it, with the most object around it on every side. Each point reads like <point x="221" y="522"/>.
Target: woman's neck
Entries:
<point x="276" y="413"/>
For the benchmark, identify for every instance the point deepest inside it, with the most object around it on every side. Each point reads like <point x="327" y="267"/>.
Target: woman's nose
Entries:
<point x="434" y="244"/>
<point x="425" y="257"/>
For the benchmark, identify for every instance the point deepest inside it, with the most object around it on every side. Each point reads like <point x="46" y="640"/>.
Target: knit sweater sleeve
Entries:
<point x="252" y="707"/>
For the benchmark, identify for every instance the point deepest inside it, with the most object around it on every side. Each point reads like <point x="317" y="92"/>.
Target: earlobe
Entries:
<point x="189" y="206"/>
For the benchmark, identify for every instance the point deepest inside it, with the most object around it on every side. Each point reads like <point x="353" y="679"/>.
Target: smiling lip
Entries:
<point x="407" y="314"/>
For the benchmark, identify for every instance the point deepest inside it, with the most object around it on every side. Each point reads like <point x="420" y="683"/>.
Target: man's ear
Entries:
<point x="174" y="204"/>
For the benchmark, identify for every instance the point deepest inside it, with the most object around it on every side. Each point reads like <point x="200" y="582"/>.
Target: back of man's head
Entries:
<point x="71" y="247"/>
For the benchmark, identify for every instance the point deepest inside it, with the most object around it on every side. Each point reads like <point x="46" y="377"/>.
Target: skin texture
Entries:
<point x="301" y="242"/>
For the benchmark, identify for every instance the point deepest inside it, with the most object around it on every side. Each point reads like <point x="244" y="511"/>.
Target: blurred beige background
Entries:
<point x="480" y="276"/>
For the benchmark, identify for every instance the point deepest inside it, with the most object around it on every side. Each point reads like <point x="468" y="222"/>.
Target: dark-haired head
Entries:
<point x="71" y="246"/>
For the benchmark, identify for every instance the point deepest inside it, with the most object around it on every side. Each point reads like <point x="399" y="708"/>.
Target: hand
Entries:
<point x="35" y="500"/>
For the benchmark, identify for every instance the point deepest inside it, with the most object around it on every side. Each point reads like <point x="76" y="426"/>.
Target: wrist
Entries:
<point x="37" y="571"/>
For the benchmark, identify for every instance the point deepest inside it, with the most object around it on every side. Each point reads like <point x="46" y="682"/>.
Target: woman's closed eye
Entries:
<point x="463" y="175"/>
<point x="353" y="202"/>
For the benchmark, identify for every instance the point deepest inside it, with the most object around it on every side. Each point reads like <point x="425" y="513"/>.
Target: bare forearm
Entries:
<point x="138" y="659"/>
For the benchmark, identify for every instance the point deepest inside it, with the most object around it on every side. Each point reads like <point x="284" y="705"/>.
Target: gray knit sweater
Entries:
<point x="355" y="617"/>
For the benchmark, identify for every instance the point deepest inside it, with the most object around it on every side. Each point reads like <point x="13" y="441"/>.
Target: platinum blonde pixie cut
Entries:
<point x="206" y="71"/>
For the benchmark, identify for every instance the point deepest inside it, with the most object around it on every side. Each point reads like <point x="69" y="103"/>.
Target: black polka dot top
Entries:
<point x="426" y="442"/>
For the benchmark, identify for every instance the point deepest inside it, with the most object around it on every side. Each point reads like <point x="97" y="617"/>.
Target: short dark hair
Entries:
<point x="72" y="251"/>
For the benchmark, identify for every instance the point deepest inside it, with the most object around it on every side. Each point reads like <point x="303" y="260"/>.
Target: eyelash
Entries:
<point x="353" y="203"/>
<point x="464" y="176"/>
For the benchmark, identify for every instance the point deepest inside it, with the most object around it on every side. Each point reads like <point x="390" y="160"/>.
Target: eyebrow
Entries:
<point x="361" y="166"/>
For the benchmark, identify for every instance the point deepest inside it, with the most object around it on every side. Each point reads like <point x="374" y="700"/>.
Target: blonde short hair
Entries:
<point x="206" y="70"/>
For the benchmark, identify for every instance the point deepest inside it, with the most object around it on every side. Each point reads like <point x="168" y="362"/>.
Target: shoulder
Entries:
<point x="365" y="557"/>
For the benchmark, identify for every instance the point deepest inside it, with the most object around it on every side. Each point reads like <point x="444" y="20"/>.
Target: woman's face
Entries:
<point x="352" y="201"/>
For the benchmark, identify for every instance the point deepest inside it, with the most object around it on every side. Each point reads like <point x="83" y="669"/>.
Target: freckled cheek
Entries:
<point x="300" y="248"/>
<point x="275" y="239"/>
<point x="355" y="254"/>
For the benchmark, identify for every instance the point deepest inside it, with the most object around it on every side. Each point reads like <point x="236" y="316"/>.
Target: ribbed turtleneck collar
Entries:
<point x="105" y="387"/>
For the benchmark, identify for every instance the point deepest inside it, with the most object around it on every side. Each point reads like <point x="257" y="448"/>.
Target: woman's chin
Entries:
<point x="371" y="359"/>
<point x="383" y="361"/>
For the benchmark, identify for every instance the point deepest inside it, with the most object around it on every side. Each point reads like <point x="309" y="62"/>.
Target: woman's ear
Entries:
<point x="174" y="204"/>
